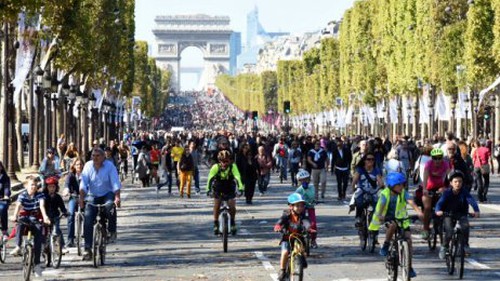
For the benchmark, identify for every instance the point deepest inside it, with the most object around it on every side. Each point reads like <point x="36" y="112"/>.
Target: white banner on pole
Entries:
<point x="393" y="110"/>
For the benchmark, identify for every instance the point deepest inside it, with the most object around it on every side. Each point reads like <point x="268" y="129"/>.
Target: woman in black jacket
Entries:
<point x="4" y="198"/>
<point x="247" y="165"/>
<point x="71" y="190"/>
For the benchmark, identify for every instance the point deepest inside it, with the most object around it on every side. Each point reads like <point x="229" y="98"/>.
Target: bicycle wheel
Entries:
<point x="3" y="250"/>
<point x="96" y="245"/>
<point x="370" y="236"/>
<point x="27" y="262"/>
<point x="431" y="242"/>
<point x="405" y="260"/>
<point x="460" y="254"/>
<point x="102" y="246"/>
<point x="79" y="232"/>
<point x="391" y="263"/>
<point x="307" y="246"/>
<point x="47" y="251"/>
<point x="362" y="233"/>
<point x="297" y="274"/>
<point x="225" y="231"/>
<point x="56" y="250"/>
<point x="450" y="256"/>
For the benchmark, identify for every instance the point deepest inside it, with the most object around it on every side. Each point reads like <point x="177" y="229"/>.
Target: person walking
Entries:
<point x="248" y="166"/>
<point x="265" y="163"/>
<point x="341" y="160"/>
<point x="318" y="160"/>
<point x="185" y="168"/>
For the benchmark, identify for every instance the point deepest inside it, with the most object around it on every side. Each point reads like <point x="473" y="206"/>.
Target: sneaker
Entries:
<point x="38" y="270"/>
<point x="216" y="229"/>
<point x="65" y="250"/>
<point x="112" y="237"/>
<point x="351" y="208"/>
<point x="442" y="252"/>
<point x="314" y="245"/>
<point x="281" y="275"/>
<point x="71" y="244"/>
<point x="261" y="194"/>
<point x="384" y="250"/>
<point x="233" y="229"/>
<point x="87" y="255"/>
<point x="413" y="274"/>
<point x="358" y="223"/>
<point x="16" y="252"/>
<point x="467" y="250"/>
<point x="425" y="235"/>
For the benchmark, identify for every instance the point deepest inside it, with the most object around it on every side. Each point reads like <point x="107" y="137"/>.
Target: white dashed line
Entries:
<point x="489" y="206"/>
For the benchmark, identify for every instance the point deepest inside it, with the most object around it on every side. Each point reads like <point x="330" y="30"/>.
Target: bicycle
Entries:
<point x="367" y="238"/>
<point x="53" y="245"/>
<point x="437" y="224"/>
<point x="398" y="254"/>
<point x="100" y="234"/>
<point x="123" y="175"/>
<point x="294" y="269"/>
<point x="457" y="249"/>
<point x="28" y="245"/>
<point x="3" y="242"/>
<point x="224" y="223"/>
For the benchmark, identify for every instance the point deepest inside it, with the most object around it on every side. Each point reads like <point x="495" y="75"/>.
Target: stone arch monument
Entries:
<point x="210" y="34"/>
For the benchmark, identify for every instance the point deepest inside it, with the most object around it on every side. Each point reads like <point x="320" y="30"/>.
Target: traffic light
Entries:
<point x="487" y="113"/>
<point x="286" y="106"/>
<point x="255" y="115"/>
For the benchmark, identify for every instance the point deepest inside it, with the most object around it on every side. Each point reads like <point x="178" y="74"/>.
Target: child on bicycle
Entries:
<point x="30" y="206"/>
<point x="306" y="189"/>
<point x="455" y="201"/>
<point x="392" y="205"/>
<point x="54" y="205"/>
<point x="290" y="222"/>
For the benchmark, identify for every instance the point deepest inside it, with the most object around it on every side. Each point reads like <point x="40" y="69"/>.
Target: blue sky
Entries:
<point x="295" y="16"/>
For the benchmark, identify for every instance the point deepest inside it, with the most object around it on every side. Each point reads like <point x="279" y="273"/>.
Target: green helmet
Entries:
<point x="437" y="152"/>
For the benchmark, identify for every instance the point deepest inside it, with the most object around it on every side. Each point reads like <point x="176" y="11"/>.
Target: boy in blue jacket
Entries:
<point x="455" y="201"/>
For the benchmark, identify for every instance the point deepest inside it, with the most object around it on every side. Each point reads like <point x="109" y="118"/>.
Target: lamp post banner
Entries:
<point x="461" y="105"/>
<point x="443" y="107"/>
<point x="380" y="112"/>
<point x="24" y="56"/>
<point x="424" y="111"/>
<point x="393" y="110"/>
<point x="484" y="91"/>
<point x="348" y="115"/>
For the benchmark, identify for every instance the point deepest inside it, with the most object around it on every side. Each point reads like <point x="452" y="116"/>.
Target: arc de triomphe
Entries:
<point x="211" y="34"/>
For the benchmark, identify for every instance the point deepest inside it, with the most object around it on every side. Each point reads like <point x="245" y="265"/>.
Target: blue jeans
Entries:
<point x="167" y="182"/>
<point x="72" y="209"/>
<point x="4" y="207"/>
<point x="57" y="228"/>
<point x="91" y="215"/>
<point x="196" y="177"/>
<point x="263" y="182"/>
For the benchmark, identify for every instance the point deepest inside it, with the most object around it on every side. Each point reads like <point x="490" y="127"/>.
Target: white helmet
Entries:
<point x="302" y="174"/>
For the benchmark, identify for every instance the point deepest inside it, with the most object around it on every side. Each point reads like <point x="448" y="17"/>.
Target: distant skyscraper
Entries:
<point x="235" y="51"/>
<point x="256" y="37"/>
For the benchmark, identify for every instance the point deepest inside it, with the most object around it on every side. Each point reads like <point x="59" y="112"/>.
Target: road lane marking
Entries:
<point x="475" y="263"/>
<point x="488" y="206"/>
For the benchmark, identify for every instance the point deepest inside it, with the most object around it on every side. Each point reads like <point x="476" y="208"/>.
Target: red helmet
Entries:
<point x="52" y="180"/>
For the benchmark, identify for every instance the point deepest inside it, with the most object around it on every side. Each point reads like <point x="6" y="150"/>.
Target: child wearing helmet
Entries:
<point x="291" y="221"/>
<point x="392" y="205"/>
<point x="306" y="189"/>
<point x="455" y="201"/>
<point x="54" y="205"/>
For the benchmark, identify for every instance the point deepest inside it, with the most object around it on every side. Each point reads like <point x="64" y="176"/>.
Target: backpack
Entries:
<point x="186" y="163"/>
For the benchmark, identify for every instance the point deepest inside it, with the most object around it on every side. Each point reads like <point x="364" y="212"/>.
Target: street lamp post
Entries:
<point x="54" y="119"/>
<point x="475" y="105"/>
<point x="453" y="107"/>
<point x="93" y="112"/>
<point x="467" y="105"/>
<point x="85" y="125"/>
<point x="79" y="100"/>
<point x="382" y="120"/>
<point x="38" y="72"/>
<point x="431" y="113"/>
<point x="11" y="171"/>
<point x="408" y="112"/>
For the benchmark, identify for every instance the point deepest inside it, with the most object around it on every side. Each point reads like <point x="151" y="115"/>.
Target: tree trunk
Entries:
<point x="19" y="133"/>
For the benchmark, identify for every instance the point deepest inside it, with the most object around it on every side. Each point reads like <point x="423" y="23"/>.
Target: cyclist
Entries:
<point x="4" y="204"/>
<point x="101" y="185"/>
<point x="30" y="206"/>
<point x="292" y="222"/>
<point x="123" y="153"/>
<point x="455" y="200"/>
<point x="71" y="190"/>
<point x="221" y="178"/>
<point x="54" y="205"/>
<point x="367" y="179"/>
<point x="435" y="172"/>
<point x="306" y="190"/>
<point x="392" y="205"/>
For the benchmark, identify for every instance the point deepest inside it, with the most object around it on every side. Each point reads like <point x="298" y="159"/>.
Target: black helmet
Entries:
<point x="455" y="174"/>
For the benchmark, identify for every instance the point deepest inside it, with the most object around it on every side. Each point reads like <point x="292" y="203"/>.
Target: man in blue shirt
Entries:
<point x="99" y="184"/>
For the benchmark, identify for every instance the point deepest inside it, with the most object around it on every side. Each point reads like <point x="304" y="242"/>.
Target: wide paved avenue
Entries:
<point x="169" y="238"/>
